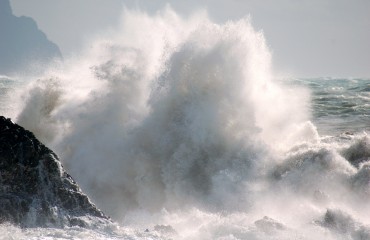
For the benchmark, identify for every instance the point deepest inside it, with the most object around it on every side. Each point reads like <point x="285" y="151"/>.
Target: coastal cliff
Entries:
<point x="24" y="47"/>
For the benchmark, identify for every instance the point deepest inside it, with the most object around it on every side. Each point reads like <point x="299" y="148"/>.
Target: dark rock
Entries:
<point x="35" y="191"/>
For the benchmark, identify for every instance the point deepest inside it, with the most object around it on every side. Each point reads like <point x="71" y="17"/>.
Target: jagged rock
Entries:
<point x="34" y="188"/>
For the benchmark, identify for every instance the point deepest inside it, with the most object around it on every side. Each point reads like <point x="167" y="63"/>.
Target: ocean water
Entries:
<point x="339" y="105"/>
<point x="178" y="129"/>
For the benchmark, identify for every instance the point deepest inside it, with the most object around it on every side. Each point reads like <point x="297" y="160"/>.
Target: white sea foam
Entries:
<point x="177" y="125"/>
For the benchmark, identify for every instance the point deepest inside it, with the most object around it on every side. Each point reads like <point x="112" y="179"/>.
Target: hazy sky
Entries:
<point x="307" y="37"/>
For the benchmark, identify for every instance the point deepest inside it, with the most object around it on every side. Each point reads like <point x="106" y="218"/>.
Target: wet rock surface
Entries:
<point x="35" y="191"/>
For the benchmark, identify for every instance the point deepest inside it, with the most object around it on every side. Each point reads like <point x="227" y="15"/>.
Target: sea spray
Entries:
<point x="171" y="121"/>
<point x="168" y="109"/>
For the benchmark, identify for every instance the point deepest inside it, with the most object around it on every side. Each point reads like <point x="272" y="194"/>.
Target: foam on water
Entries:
<point x="177" y="126"/>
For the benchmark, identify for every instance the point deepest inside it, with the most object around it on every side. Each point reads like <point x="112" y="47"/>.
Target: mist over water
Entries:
<point x="179" y="122"/>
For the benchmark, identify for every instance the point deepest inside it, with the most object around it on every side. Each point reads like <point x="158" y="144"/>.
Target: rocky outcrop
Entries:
<point x="35" y="191"/>
<point x="22" y="43"/>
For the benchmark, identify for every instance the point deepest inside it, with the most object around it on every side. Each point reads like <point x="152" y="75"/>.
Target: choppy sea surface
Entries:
<point x="339" y="105"/>
<point x="192" y="137"/>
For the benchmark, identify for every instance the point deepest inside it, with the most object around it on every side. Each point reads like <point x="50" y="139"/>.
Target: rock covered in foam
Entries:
<point x="34" y="188"/>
